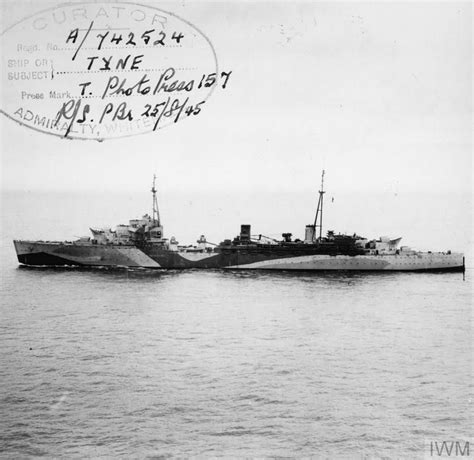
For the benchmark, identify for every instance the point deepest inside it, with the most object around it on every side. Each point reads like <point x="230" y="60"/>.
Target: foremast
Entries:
<point x="156" y="211"/>
<point x="154" y="227"/>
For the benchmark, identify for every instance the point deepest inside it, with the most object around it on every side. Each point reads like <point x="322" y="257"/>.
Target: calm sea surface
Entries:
<point x="144" y="363"/>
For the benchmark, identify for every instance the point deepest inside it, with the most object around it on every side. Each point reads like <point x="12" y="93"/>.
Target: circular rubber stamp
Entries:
<point x="106" y="70"/>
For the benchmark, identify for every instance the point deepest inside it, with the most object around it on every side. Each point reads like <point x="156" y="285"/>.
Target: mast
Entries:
<point x="319" y="210"/>
<point x="156" y="212"/>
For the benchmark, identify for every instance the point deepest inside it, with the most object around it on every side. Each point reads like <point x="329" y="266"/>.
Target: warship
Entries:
<point x="142" y="244"/>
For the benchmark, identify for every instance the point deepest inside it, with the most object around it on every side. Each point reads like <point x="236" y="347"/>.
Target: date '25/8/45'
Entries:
<point x="74" y="111"/>
<point x="169" y="108"/>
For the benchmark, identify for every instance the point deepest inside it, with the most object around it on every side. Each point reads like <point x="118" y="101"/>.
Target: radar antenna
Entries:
<point x="156" y="212"/>
<point x="319" y="210"/>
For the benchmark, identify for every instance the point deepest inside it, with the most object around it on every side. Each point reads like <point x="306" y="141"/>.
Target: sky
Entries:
<point x="378" y="95"/>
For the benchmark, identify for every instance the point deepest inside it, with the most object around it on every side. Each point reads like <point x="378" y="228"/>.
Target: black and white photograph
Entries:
<point x="236" y="229"/>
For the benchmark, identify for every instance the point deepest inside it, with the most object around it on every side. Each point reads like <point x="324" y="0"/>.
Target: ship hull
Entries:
<point x="415" y="262"/>
<point x="89" y="255"/>
<point x="58" y="254"/>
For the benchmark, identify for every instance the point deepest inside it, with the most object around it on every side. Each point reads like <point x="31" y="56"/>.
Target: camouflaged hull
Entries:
<point x="291" y="257"/>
